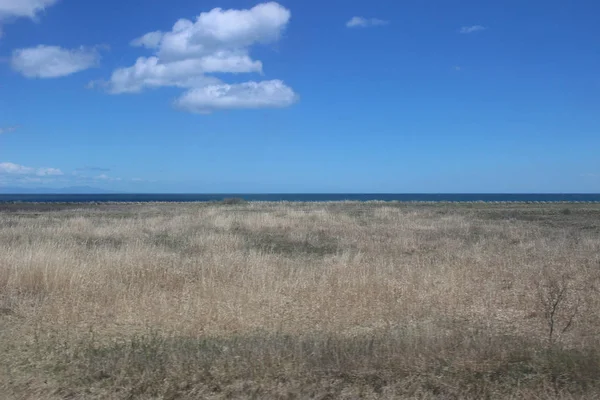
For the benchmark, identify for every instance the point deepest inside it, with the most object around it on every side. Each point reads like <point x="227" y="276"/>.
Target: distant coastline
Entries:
<point x="302" y="197"/>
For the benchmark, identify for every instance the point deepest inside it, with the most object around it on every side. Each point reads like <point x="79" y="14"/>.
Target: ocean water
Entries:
<point x="405" y="197"/>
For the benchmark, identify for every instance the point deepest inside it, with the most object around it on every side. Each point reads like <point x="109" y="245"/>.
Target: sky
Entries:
<point x="239" y="96"/>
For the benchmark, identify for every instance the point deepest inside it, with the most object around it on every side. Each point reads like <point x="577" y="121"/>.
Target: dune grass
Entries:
<point x="300" y="300"/>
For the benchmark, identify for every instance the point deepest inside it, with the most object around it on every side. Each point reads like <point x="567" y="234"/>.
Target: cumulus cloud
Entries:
<point x="361" y="22"/>
<point x="23" y="8"/>
<point x="8" y="129"/>
<point x="9" y="168"/>
<point x="150" y="72"/>
<point x="263" y="94"/>
<point x="471" y="29"/>
<point x="218" y="41"/>
<point x="53" y="61"/>
<point x="12" y="9"/>
<point x="221" y="29"/>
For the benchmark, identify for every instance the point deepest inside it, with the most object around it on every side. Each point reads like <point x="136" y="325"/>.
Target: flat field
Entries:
<point x="299" y="300"/>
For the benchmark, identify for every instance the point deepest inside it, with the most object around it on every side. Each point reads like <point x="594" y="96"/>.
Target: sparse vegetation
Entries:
<point x="233" y="200"/>
<point x="559" y="305"/>
<point x="277" y="300"/>
<point x="566" y="211"/>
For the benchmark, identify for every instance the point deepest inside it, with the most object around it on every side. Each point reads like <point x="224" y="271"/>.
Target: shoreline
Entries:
<point x="224" y="202"/>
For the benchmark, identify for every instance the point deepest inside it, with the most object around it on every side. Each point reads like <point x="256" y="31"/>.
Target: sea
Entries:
<point x="303" y="197"/>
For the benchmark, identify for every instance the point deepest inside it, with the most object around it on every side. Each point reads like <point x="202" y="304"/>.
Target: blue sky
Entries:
<point x="301" y="95"/>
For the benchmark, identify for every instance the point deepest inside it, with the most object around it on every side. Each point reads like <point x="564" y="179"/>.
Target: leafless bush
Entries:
<point x="560" y="304"/>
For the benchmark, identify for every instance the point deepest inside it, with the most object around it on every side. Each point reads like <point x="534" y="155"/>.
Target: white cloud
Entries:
<point x="361" y="22"/>
<point x="48" y="172"/>
<point x="8" y="129"/>
<point x="91" y="168"/>
<point x="53" y="61"/>
<point x="16" y="169"/>
<point x="150" y="40"/>
<point x="265" y="94"/>
<point x="218" y="41"/>
<point x="150" y="72"/>
<point x="104" y="177"/>
<point x="23" y="8"/>
<point x="221" y="29"/>
<point x="10" y="168"/>
<point x="472" y="29"/>
<point x="12" y="9"/>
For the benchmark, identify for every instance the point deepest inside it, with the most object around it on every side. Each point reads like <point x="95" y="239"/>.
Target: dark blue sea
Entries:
<point x="300" y="197"/>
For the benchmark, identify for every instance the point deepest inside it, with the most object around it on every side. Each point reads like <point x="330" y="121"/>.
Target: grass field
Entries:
<point x="295" y="300"/>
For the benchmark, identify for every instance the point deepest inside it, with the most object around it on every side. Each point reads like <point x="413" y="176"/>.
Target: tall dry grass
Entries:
<point x="281" y="300"/>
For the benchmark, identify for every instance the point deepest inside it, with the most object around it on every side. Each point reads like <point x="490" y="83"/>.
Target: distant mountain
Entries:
<point x="64" y="190"/>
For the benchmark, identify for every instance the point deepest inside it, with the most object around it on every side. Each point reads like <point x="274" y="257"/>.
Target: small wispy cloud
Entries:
<point x="150" y="40"/>
<point x="9" y="168"/>
<point x="361" y="22"/>
<point x="96" y="84"/>
<point x="8" y="129"/>
<point x="48" y="172"/>
<point x="92" y="169"/>
<point x="471" y="29"/>
<point x="142" y="180"/>
<point x="104" y="177"/>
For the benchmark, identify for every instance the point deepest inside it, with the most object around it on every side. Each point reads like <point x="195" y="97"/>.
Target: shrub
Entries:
<point x="233" y="200"/>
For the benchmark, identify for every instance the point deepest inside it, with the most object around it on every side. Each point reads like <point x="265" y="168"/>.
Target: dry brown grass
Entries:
<point x="265" y="300"/>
